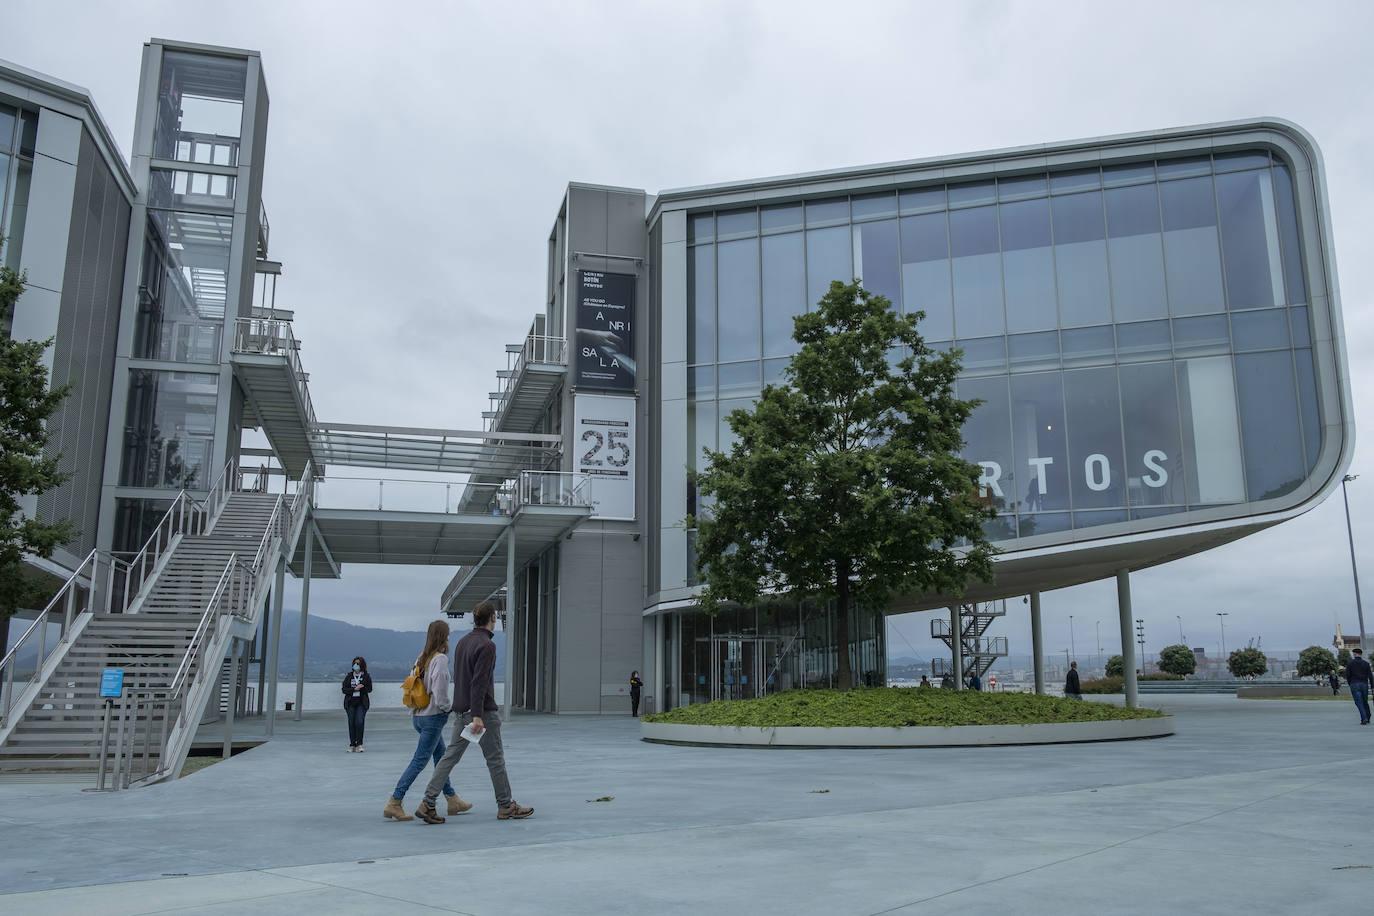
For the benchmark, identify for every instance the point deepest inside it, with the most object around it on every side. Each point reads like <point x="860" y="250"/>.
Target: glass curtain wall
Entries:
<point x="18" y="133"/>
<point x="1139" y="334"/>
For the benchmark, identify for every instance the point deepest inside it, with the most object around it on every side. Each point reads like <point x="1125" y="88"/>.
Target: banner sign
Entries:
<point x="604" y="449"/>
<point x="605" y="331"/>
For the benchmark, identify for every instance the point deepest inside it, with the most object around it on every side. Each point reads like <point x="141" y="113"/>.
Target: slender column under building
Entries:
<point x="1037" y="643"/>
<point x="660" y="639"/>
<point x="1123" y="604"/>
<point x="510" y="619"/>
<point x="273" y="645"/>
<point x="305" y="615"/>
<point x="956" y="628"/>
<point x="232" y="698"/>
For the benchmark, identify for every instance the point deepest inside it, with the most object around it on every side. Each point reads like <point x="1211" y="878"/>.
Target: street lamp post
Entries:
<point x="1182" y="640"/>
<point x="1221" y="617"/>
<point x="1072" y="645"/>
<point x="1354" y="570"/>
<point x="1140" y="638"/>
<point x="1099" y="642"/>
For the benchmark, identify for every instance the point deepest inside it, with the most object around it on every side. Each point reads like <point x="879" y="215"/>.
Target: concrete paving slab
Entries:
<point x="1235" y="806"/>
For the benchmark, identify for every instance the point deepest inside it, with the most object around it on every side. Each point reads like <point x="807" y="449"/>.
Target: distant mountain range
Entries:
<point x="331" y="644"/>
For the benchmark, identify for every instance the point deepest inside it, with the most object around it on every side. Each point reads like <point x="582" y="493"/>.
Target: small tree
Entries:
<point x="1247" y="663"/>
<point x="1178" y="660"/>
<point x="1316" y="661"/>
<point x="845" y="483"/>
<point x="25" y="469"/>
<point x="1116" y="666"/>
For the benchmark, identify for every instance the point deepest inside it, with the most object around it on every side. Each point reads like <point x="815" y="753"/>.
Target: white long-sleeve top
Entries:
<point x="439" y="685"/>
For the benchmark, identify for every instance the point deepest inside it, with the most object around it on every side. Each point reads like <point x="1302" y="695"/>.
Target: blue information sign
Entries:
<point x="111" y="682"/>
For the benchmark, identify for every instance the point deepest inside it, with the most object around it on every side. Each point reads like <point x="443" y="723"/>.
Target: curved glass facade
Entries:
<point x="1139" y="334"/>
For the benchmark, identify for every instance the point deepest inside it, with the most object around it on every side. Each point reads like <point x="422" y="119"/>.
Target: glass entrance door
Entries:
<point x="739" y="666"/>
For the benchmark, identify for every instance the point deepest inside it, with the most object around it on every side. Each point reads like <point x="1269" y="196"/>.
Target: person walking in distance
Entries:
<point x="428" y="721"/>
<point x="474" y="685"/>
<point x="636" y="691"/>
<point x="1358" y="677"/>
<point x="357" y="684"/>
<point x="1072" y="688"/>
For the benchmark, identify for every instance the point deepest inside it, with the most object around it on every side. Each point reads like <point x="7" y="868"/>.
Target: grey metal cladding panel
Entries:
<point x="622" y="601"/>
<point x="587" y="229"/>
<point x="579" y="625"/>
<point x="625" y="230"/>
<point x="84" y="348"/>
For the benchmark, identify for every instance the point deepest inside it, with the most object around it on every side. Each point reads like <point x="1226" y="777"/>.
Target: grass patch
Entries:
<point x="896" y="707"/>
<point x="196" y="764"/>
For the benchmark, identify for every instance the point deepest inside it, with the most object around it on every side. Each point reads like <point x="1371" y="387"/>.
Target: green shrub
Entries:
<point x="896" y="707"/>
<point x="1115" y="684"/>
<point x="1116" y="666"/>
<point x="1178" y="660"/>
<point x="1316" y="660"/>
<point x="1248" y="663"/>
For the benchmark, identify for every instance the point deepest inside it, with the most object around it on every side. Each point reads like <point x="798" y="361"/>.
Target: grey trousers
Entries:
<point x="491" y="749"/>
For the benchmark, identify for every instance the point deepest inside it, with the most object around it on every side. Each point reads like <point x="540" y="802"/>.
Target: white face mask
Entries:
<point x="356" y="668"/>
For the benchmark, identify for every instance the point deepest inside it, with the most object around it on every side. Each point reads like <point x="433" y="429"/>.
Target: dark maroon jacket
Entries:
<point x="474" y="666"/>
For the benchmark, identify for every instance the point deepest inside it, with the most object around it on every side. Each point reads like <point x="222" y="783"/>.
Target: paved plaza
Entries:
<point x="1254" y="806"/>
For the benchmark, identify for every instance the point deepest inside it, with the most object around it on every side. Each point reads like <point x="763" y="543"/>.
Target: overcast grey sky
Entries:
<point x="417" y="153"/>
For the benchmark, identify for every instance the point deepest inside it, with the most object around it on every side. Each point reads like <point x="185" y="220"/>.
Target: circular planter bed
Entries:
<point x="900" y="717"/>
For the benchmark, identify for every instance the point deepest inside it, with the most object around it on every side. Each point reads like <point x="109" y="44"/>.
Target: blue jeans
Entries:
<point x="1359" y="692"/>
<point x="357" y="712"/>
<point x="431" y="745"/>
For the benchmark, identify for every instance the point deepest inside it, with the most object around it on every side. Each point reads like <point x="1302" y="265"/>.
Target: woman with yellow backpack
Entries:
<point x="426" y="693"/>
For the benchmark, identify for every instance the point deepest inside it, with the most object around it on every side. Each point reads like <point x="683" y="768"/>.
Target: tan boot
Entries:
<point x="457" y="806"/>
<point x="393" y="809"/>
<point x="427" y="813"/>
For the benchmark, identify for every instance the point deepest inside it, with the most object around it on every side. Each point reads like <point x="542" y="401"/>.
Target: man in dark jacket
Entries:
<point x="1071" y="684"/>
<point x="1358" y="677"/>
<point x="474" y="687"/>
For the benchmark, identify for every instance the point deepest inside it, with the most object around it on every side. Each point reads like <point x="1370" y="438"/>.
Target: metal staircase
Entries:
<point x="980" y="651"/>
<point x="166" y="619"/>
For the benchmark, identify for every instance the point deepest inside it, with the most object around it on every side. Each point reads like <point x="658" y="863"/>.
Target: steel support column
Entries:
<point x="957" y="644"/>
<point x="305" y="615"/>
<point x="273" y="644"/>
<point x="1123" y="605"/>
<point x="510" y="619"/>
<point x="1037" y="643"/>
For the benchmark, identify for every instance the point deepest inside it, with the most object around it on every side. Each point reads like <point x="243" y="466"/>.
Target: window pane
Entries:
<point x="1250" y="240"/>
<point x="1211" y="431"/>
<point x="1135" y="250"/>
<point x="875" y="253"/>
<point x="1096" y="467"/>
<point x="739" y="380"/>
<point x="973" y="194"/>
<point x="1288" y="229"/>
<point x="1154" y="449"/>
<point x="701" y="299"/>
<point x="984" y="354"/>
<point x="194" y="190"/>
<point x="737" y="224"/>
<point x="8" y="119"/>
<point x="202" y="95"/>
<point x="1302" y="333"/>
<point x="1028" y="265"/>
<point x="1034" y="351"/>
<point x="701" y="382"/>
<point x="827" y="212"/>
<point x="1081" y="260"/>
<point x="1259" y="330"/>
<point x="923" y="200"/>
<point x="1142" y="340"/>
<point x="925" y="273"/>
<point x="701" y="227"/>
<point x="781" y="218"/>
<point x="987" y="436"/>
<point x="875" y="206"/>
<point x="1191" y="255"/>
<point x="701" y="432"/>
<point x="977" y="272"/>
<point x="1022" y="188"/>
<point x="1117" y="175"/>
<point x="1274" y="462"/>
<point x="737" y="291"/>
<point x="1079" y="180"/>
<point x="727" y="435"/>
<point x="827" y="260"/>
<point x="1183" y="168"/>
<point x="1311" y="418"/>
<point x="1197" y="336"/>
<point x="784" y="291"/>
<point x="1042" y="458"/>
<point x="1088" y="346"/>
<point x="170" y="431"/>
<point x="183" y="286"/>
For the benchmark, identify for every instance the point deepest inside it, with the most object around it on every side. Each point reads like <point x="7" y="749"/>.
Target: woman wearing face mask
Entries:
<point x="357" y="684"/>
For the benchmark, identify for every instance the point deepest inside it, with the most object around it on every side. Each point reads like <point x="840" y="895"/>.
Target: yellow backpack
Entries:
<point x="413" y="692"/>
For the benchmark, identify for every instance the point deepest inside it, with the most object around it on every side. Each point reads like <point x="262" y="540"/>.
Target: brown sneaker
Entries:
<point x="511" y="812"/>
<point x="457" y="806"/>
<point x="427" y="813"/>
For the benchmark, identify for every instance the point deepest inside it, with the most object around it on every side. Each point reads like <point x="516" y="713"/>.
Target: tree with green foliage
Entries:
<point x="845" y="482"/>
<point x="1116" y="666"/>
<point x="1248" y="663"/>
<point x="25" y="469"/>
<point x="1316" y="661"/>
<point x="1178" y="660"/>
<point x="1344" y="657"/>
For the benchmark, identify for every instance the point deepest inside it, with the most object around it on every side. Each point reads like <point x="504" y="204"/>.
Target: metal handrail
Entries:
<point x="273" y="337"/>
<point x="183" y="516"/>
<point x="219" y="493"/>
<point x="537" y="349"/>
<point x="89" y="572"/>
<point x="552" y="488"/>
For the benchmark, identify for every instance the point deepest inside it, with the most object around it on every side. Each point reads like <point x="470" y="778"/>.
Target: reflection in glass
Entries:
<point x="739" y="379"/>
<point x="827" y="260"/>
<point x="1080" y="252"/>
<point x="1264" y="329"/>
<point x="874" y="206"/>
<point x="987" y="444"/>
<point x="734" y="224"/>
<point x="1087" y="346"/>
<point x="1207" y="334"/>
<point x="1093" y="414"/>
<point x="1274" y="462"/>
<point x="1142" y="340"/>
<point x="827" y="212"/>
<point x="784" y="291"/>
<point x="1191" y="256"/>
<point x="1211" y="431"/>
<point x="180" y="189"/>
<point x="1307" y="398"/>
<point x="200" y="108"/>
<point x="1288" y="228"/>
<point x="738" y="299"/>
<point x="781" y="218"/>
<point x="1034" y="351"/>
<point x="1042" y="458"/>
<point x="170" y="432"/>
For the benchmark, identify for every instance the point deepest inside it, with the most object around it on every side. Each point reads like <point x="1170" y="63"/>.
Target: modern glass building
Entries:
<point x="1151" y="322"/>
